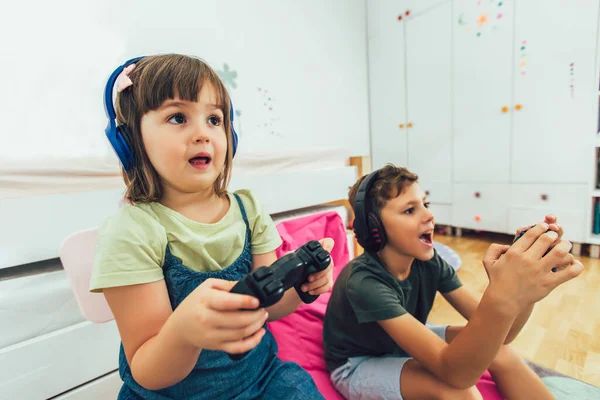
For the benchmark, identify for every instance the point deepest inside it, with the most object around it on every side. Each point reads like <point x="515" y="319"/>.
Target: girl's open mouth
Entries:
<point x="200" y="162"/>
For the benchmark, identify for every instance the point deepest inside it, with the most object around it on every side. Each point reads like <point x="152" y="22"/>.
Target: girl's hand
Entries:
<point x="212" y="318"/>
<point x="322" y="281"/>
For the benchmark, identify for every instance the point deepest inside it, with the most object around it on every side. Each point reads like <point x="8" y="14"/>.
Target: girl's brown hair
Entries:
<point x="156" y="79"/>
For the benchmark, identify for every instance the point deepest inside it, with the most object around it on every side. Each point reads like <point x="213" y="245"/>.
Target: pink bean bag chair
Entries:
<point x="299" y="335"/>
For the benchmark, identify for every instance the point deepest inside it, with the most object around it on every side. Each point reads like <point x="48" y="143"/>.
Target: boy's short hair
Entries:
<point x="388" y="185"/>
<point x="156" y="79"/>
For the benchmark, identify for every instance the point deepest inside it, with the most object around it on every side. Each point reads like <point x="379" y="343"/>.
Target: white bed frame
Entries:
<point x="80" y="361"/>
<point x="34" y="227"/>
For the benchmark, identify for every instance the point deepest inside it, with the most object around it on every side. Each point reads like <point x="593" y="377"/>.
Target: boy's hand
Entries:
<point x="523" y="275"/>
<point x="322" y="281"/>
<point x="552" y="225"/>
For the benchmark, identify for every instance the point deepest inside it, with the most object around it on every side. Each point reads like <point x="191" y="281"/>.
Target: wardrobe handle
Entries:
<point x="504" y="109"/>
<point x="518" y="107"/>
<point x="401" y="126"/>
<point x="410" y="124"/>
<point x="477" y="194"/>
<point x="544" y="197"/>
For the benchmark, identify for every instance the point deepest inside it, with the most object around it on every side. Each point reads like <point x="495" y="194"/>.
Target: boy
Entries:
<point x="377" y="343"/>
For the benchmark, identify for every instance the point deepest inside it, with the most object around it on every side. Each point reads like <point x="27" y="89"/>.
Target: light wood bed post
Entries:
<point x="363" y="167"/>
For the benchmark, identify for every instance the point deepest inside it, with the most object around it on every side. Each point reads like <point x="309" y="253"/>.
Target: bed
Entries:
<point x="45" y="338"/>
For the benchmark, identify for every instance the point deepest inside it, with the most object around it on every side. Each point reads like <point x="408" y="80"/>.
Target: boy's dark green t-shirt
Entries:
<point x="365" y="292"/>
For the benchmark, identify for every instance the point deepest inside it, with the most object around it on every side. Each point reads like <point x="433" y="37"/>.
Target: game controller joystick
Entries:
<point x="520" y="235"/>
<point x="268" y="284"/>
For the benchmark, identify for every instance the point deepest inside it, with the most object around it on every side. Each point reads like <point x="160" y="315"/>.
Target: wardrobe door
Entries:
<point x="429" y="97"/>
<point x="482" y="89"/>
<point x="387" y="90"/>
<point x="555" y="91"/>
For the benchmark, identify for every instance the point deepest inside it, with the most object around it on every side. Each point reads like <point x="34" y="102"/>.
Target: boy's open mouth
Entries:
<point x="427" y="238"/>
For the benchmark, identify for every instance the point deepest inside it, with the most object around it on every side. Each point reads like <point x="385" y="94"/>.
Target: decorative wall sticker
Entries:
<point x="271" y="116"/>
<point x="523" y="58"/>
<point x="482" y="20"/>
<point x="229" y="77"/>
<point x="572" y="74"/>
<point x="485" y="17"/>
<point x="406" y="15"/>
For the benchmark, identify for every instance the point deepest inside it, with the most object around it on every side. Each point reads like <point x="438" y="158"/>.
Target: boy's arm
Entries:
<point x="461" y="363"/>
<point x="465" y="302"/>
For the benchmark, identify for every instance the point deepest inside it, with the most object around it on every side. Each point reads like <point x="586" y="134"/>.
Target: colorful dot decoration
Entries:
<point x="523" y="58"/>
<point x="269" y="106"/>
<point x="485" y="19"/>
<point x="572" y="74"/>
<point x="406" y="14"/>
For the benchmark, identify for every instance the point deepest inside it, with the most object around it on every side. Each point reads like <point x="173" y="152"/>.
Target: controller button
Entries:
<point x="273" y="287"/>
<point x="313" y="245"/>
<point x="262" y="273"/>
<point x="323" y="256"/>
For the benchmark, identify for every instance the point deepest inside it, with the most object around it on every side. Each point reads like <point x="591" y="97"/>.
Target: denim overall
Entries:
<point x="259" y="375"/>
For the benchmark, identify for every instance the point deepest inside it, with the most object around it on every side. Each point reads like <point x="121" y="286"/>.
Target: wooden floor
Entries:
<point x="563" y="332"/>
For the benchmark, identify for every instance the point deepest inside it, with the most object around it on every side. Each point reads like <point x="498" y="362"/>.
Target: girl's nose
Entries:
<point x="200" y="135"/>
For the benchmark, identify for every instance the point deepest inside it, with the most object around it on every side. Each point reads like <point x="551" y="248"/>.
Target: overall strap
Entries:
<point x="243" y="210"/>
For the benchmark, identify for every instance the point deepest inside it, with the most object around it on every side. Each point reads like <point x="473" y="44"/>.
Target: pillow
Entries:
<point x="299" y="335"/>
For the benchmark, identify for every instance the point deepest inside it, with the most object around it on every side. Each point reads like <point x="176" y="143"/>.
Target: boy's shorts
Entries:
<point x="370" y="378"/>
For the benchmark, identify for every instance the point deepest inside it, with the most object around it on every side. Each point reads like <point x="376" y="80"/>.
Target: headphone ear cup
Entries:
<point x="124" y="134"/>
<point x="234" y="135"/>
<point x="377" y="234"/>
<point x="234" y="140"/>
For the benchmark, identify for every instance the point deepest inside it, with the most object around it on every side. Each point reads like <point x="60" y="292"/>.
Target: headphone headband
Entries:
<point x="368" y="228"/>
<point x="361" y="207"/>
<point x="119" y="136"/>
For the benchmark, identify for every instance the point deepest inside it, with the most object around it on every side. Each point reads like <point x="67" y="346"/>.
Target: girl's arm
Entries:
<point x="162" y="346"/>
<point x="156" y="356"/>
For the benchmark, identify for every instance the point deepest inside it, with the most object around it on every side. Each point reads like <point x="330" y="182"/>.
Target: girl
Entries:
<point x="167" y="262"/>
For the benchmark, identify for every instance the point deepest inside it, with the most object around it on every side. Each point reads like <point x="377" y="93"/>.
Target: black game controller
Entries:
<point x="268" y="284"/>
<point x="521" y="235"/>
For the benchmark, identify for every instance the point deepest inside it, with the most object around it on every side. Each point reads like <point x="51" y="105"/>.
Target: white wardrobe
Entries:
<point x="494" y="104"/>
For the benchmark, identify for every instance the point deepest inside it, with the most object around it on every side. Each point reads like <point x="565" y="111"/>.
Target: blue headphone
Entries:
<point x="120" y="136"/>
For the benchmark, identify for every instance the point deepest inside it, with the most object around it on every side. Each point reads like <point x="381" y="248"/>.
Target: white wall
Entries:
<point x="309" y="55"/>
